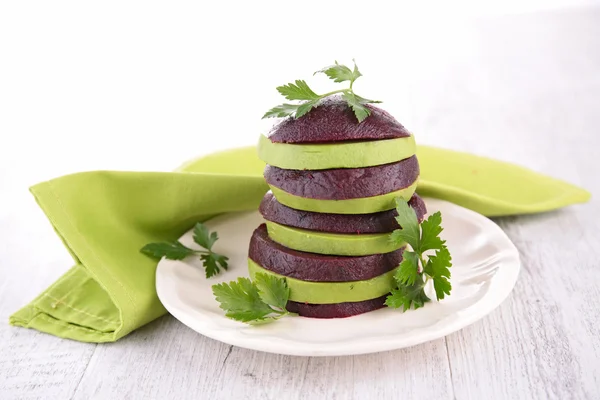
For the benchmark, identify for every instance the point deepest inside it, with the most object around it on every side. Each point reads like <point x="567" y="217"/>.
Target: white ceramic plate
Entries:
<point x="485" y="268"/>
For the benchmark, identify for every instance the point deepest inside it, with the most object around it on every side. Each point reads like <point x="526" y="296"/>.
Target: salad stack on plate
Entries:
<point x="331" y="208"/>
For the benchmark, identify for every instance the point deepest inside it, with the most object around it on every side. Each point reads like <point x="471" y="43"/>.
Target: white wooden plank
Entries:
<point x="168" y="360"/>
<point x="543" y="342"/>
<point x="33" y="364"/>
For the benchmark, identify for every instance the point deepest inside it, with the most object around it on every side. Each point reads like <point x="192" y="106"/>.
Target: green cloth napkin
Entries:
<point x="105" y="217"/>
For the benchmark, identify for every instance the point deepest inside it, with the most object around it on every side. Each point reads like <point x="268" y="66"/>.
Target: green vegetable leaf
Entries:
<point x="355" y="73"/>
<point x="409" y="231"/>
<point x="408" y="272"/>
<point x="272" y="290"/>
<point x="240" y="300"/>
<point x="291" y="110"/>
<point x="169" y="250"/>
<point x="360" y="111"/>
<point x="213" y="263"/>
<point x="438" y="268"/>
<point x="204" y="237"/>
<point x="305" y="107"/>
<point x="298" y="91"/>
<point x="340" y="73"/>
<point x="362" y="100"/>
<point x="283" y="110"/>
<point x="255" y="303"/>
<point x="408" y="295"/>
<point x="413" y="268"/>
<point x="430" y="233"/>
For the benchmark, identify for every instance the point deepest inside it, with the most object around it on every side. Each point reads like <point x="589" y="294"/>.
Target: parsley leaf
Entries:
<point x="241" y="300"/>
<point x="283" y="110"/>
<point x="203" y="237"/>
<point x="211" y="261"/>
<point x="299" y="90"/>
<point x="408" y="272"/>
<point x="438" y="268"/>
<point x="409" y="224"/>
<point x="408" y="295"/>
<point x="362" y="100"/>
<point x="171" y="250"/>
<point x="305" y="108"/>
<point x="255" y="303"/>
<point x="359" y="109"/>
<point x="414" y="272"/>
<point x="430" y="233"/>
<point x="272" y="290"/>
<point x="340" y="73"/>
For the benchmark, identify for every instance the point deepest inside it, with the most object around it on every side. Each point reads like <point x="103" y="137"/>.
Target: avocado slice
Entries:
<point x="335" y="155"/>
<point x="332" y="292"/>
<point x="331" y="243"/>
<point x="362" y="205"/>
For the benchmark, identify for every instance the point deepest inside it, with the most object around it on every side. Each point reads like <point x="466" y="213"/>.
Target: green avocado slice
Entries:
<point x="362" y="205"/>
<point x="335" y="155"/>
<point x="338" y="244"/>
<point x="332" y="292"/>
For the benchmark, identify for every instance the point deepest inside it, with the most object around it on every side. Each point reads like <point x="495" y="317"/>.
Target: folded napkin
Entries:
<point x="105" y="217"/>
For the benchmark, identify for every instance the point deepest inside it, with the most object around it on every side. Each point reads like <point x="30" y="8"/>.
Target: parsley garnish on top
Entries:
<point x="174" y="250"/>
<point x="416" y="268"/>
<point x="254" y="302"/>
<point x="299" y="90"/>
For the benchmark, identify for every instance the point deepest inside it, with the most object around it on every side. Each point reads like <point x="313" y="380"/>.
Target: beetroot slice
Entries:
<point x="345" y="183"/>
<point x="317" y="267"/>
<point x="381" y="222"/>
<point x="334" y="121"/>
<point x="339" y="310"/>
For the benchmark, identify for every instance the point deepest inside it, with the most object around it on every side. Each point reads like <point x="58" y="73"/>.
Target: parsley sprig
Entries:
<point x="416" y="269"/>
<point x="299" y="90"/>
<point x="175" y="250"/>
<point x="254" y="302"/>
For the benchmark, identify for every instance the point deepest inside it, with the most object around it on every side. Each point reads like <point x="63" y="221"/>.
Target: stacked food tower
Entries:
<point x="331" y="208"/>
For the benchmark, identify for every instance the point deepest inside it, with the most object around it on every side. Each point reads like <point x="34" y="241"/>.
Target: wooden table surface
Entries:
<point x="525" y="89"/>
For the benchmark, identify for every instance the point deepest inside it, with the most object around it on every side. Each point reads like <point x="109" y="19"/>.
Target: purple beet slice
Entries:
<point x="381" y="222"/>
<point x="339" y="310"/>
<point x="345" y="183"/>
<point x="334" y="121"/>
<point x="317" y="267"/>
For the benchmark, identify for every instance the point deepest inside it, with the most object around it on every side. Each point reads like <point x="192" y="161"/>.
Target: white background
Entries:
<point x="147" y="85"/>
